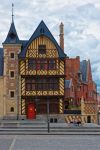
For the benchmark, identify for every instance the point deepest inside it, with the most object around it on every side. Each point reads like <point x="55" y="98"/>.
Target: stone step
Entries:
<point x="15" y="123"/>
<point x="51" y="128"/>
<point x="44" y="132"/>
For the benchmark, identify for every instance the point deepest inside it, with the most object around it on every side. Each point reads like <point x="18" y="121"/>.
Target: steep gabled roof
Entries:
<point x="42" y="29"/>
<point x="1" y="62"/>
<point x="24" y="43"/>
<point x="12" y="37"/>
<point x="83" y="69"/>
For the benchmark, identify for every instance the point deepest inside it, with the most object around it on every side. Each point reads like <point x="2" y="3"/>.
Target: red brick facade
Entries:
<point x="83" y="85"/>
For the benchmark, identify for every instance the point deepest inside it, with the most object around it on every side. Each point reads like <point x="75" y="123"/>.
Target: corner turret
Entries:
<point x="12" y="37"/>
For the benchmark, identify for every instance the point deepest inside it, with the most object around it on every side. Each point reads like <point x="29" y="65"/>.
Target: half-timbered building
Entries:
<point x="38" y="79"/>
<point x="34" y="74"/>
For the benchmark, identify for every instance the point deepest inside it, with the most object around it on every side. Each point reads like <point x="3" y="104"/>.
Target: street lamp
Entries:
<point x="48" y="118"/>
<point x="98" y="112"/>
<point x="36" y="100"/>
<point x="18" y="107"/>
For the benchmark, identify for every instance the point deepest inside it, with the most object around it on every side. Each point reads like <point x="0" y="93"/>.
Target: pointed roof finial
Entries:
<point x="12" y="12"/>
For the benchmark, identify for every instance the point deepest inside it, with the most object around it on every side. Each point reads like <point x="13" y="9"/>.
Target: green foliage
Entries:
<point x="74" y="107"/>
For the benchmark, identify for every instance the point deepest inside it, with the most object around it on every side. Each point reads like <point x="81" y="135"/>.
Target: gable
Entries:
<point x="42" y="30"/>
<point x="49" y="52"/>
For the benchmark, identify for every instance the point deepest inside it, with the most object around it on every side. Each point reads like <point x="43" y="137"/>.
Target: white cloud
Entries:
<point x="94" y="29"/>
<point x="81" y="22"/>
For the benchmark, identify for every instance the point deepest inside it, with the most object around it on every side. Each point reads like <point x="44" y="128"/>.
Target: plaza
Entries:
<point x="49" y="142"/>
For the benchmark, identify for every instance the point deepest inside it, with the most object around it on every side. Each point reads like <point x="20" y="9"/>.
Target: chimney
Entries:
<point x="61" y="36"/>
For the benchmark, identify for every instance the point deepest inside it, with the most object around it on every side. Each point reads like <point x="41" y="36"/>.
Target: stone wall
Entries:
<point x="1" y="98"/>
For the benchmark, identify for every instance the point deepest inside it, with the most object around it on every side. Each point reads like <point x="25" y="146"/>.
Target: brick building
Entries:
<point x="98" y="100"/>
<point x="79" y="73"/>
<point x="36" y="74"/>
<point x="81" y="92"/>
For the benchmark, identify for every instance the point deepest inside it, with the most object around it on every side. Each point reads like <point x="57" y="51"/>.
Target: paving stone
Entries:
<point x="5" y="143"/>
<point x="50" y="142"/>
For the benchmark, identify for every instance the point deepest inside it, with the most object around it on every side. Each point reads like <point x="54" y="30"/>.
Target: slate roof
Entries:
<point x="42" y="29"/>
<point x="83" y="69"/>
<point x="1" y="62"/>
<point x="12" y="37"/>
<point x="24" y="43"/>
<point x="68" y="83"/>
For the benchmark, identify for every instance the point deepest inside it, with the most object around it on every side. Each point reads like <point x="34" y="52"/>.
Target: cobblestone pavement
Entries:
<point x="49" y="142"/>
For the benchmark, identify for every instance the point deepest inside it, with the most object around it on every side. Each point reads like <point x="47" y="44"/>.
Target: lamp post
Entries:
<point x="98" y="112"/>
<point x="36" y="100"/>
<point x="48" y="118"/>
<point x="18" y="107"/>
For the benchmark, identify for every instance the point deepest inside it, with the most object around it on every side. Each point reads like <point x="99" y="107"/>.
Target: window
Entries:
<point x="52" y="64"/>
<point x="55" y="83"/>
<point x="12" y="35"/>
<point x="42" y="64"/>
<point x="30" y="85"/>
<point x="78" y="88"/>
<point x="42" y="30"/>
<point x="12" y="109"/>
<point x="12" y="94"/>
<point x="42" y="49"/>
<point x="12" y="74"/>
<point x="33" y="87"/>
<point x="42" y="84"/>
<point x="12" y="55"/>
<point x="31" y="64"/>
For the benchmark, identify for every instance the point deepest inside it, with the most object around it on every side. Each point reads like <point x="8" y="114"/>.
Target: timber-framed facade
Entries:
<point x="42" y="77"/>
<point x="36" y="74"/>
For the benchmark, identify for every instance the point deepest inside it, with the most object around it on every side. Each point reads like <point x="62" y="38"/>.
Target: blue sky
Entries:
<point x="81" y="24"/>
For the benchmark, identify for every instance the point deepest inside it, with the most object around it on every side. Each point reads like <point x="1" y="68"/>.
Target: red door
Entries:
<point x="31" y="114"/>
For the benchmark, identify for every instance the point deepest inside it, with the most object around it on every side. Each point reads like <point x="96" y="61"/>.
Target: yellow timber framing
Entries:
<point x="58" y="72"/>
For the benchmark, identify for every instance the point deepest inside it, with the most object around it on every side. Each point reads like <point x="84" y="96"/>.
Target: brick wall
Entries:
<point x="87" y="89"/>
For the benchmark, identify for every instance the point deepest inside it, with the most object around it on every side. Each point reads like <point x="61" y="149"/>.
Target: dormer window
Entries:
<point x="41" y="30"/>
<point x="12" y="35"/>
<point x="42" y="49"/>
